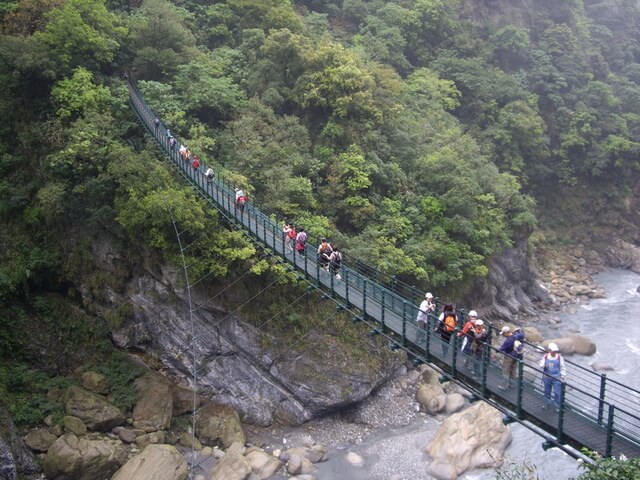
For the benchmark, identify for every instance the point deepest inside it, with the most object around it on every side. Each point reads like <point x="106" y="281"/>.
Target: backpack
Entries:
<point x="449" y="322"/>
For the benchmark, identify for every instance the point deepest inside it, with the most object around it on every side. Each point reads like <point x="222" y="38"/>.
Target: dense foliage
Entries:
<point x="424" y="136"/>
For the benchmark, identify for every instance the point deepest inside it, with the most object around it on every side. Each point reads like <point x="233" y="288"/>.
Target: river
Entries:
<point x="396" y="452"/>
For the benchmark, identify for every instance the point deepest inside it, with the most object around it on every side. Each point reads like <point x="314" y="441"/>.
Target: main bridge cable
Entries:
<point x="221" y="191"/>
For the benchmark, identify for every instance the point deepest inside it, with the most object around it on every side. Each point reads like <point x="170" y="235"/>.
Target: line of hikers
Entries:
<point x="474" y="338"/>
<point x="329" y="257"/>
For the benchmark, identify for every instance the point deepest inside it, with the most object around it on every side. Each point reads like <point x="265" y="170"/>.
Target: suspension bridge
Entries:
<point x="595" y="412"/>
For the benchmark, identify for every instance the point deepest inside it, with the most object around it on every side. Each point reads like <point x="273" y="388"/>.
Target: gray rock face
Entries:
<point x="15" y="457"/>
<point x="621" y="254"/>
<point x="235" y="366"/>
<point x="511" y="287"/>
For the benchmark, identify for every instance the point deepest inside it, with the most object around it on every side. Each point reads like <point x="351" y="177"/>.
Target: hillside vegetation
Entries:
<point x="423" y="136"/>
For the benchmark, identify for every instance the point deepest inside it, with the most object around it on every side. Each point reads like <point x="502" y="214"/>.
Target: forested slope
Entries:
<point x="423" y="136"/>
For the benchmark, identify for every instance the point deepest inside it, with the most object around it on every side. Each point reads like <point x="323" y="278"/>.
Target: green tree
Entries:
<point x="160" y="39"/>
<point x="73" y="96"/>
<point x="80" y="31"/>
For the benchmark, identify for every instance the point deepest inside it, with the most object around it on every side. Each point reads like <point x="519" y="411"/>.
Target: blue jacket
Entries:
<point x="507" y="345"/>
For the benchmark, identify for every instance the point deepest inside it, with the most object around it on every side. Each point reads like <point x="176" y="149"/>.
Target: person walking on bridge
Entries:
<point x="467" y="336"/>
<point x="324" y="253"/>
<point x="301" y="241"/>
<point x="509" y="356"/>
<point x="447" y="323"/>
<point x="289" y="234"/>
<point x="241" y="199"/>
<point x="335" y="262"/>
<point x="478" y="346"/>
<point x="553" y="374"/>
<point x="426" y="307"/>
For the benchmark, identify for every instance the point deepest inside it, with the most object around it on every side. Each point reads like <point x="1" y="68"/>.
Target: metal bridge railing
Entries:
<point x="597" y="412"/>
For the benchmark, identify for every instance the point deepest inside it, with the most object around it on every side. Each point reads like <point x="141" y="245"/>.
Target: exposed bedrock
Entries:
<point x="239" y="365"/>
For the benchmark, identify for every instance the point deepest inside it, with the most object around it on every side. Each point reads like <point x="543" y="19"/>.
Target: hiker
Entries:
<point x="209" y="174"/>
<point x="182" y="151"/>
<point x="156" y="122"/>
<point x="467" y="336"/>
<point x="480" y="336"/>
<point x="446" y="325"/>
<point x="241" y="199"/>
<point x="172" y="143"/>
<point x="426" y="307"/>
<point x="195" y="163"/>
<point x="335" y="263"/>
<point x="301" y="241"/>
<point x="553" y="375"/>
<point x="169" y="134"/>
<point x="289" y="234"/>
<point x="324" y="252"/>
<point x="509" y="357"/>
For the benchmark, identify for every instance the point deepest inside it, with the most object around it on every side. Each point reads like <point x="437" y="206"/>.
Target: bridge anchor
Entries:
<point x="547" y="445"/>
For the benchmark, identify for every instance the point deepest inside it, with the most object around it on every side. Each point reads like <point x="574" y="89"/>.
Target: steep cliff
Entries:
<point x="283" y="375"/>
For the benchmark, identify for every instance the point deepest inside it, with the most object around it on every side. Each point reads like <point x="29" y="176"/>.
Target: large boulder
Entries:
<point x="262" y="464"/>
<point x="467" y="440"/>
<point x="431" y="398"/>
<point x="39" y="440"/>
<point x="93" y="409"/>
<point x="233" y="465"/>
<point x="219" y="424"/>
<point x="96" y="382"/>
<point x="155" y="405"/>
<point x="573" y="344"/>
<point x="183" y="400"/>
<point x="156" y="462"/>
<point x="74" y="425"/>
<point x="73" y="458"/>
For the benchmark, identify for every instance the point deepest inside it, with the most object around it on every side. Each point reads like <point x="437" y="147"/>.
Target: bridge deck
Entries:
<point x="586" y="418"/>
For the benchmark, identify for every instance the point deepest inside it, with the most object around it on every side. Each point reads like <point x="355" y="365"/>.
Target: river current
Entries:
<point x="613" y="323"/>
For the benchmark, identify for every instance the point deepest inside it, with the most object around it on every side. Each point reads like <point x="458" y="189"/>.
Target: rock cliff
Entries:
<point x="258" y="374"/>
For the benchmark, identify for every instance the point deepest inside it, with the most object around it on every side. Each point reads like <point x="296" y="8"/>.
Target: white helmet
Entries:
<point x="473" y="313"/>
<point x="479" y="323"/>
<point x="428" y="295"/>
<point x="553" y="347"/>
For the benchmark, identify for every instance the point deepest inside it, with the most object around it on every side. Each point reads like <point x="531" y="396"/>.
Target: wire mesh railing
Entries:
<point x="597" y="412"/>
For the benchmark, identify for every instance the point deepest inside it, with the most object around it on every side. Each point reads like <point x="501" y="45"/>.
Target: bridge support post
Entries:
<point x="520" y="389"/>
<point x="603" y="392"/>
<point x="563" y="387"/>
<point x="404" y="323"/>
<point x="454" y="353"/>
<point x="427" y="345"/>
<point x="610" y="419"/>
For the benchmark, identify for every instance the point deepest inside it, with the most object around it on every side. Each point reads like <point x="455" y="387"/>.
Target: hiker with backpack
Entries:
<point x="301" y="241"/>
<point x="289" y="234"/>
<point x="241" y="199"/>
<point x="447" y="323"/>
<point x="480" y="335"/>
<point x="467" y="336"/>
<point x="510" y="355"/>
<point x="553" y="375"/>
<point x="426" y="307"/>
<point x="209" y="174"/>
<point x="324" y="252"/>
<point x="335" y="263"/>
